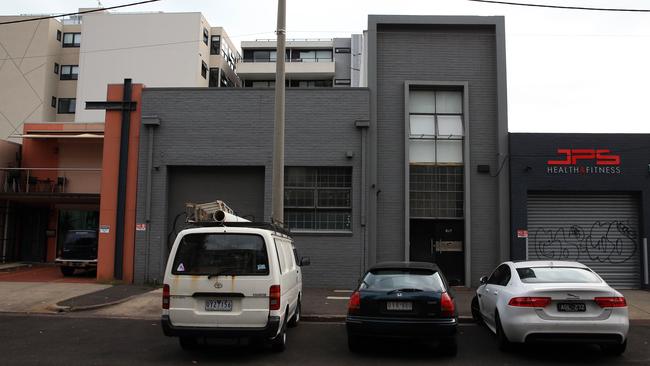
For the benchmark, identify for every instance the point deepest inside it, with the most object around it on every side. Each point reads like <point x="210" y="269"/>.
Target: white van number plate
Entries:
<point x="218" y="305"/>
<point x="399" y="305"/>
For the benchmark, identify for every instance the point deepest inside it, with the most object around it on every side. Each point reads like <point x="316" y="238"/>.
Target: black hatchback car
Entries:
<point x="403" y="300"/>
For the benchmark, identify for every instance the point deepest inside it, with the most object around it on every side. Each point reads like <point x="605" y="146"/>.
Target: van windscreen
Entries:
<point x="221" y="254"/>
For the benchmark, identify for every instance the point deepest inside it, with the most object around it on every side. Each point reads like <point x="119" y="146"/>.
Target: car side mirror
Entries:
<point x="483" y="280"/>
<point x="305" y="261"/>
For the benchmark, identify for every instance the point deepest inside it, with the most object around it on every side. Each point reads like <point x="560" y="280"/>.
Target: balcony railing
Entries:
<point x="50" y="180"/>
<point x="296" y="40"/>
<point x="311" y="59"/>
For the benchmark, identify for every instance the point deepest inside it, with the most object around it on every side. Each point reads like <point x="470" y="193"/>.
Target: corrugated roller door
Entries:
<point x="600" y="231"/>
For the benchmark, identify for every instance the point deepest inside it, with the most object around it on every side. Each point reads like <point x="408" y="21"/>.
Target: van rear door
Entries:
<point x="220" y="280"/>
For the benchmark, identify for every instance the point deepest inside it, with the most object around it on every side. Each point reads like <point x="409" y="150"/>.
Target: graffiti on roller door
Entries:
<point x="604" y="241"/>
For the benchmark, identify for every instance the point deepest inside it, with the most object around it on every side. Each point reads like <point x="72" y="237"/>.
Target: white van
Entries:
<point x="235" y="281"/>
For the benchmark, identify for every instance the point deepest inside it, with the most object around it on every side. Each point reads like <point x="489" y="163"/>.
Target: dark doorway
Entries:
<point x="32" y="240"/>
<point x="440" y="242"/>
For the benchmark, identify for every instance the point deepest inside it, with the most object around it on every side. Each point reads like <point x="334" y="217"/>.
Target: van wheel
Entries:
<point x="279" y="343"/>
<point x="67" y="271"/>
<point x="295" y="319"/>
<point x="188" y="343"/>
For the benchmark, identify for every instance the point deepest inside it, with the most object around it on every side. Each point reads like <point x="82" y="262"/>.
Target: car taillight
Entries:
<point x="611" y="302"/>
<point x="447" y="306"/>
<point x="165" y="297"/>
<point x="355" y="302"/>
<point x="274" y="297"/>
<point x="530" y="302"/>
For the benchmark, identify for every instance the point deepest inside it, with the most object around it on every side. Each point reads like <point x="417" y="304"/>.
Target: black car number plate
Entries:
<point x="571" y="307"/>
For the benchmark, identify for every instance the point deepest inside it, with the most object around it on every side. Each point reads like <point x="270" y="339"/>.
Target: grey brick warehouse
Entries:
<point x="217" y="144"/>
<point x="438" y="139"/>
<point x="413" y="167"/>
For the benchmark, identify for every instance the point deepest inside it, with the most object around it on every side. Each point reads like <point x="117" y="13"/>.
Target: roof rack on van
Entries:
<point x="257" y="225"/>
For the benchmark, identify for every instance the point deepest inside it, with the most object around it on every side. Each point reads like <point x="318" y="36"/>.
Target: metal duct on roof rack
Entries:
<point x="205" y="212"/>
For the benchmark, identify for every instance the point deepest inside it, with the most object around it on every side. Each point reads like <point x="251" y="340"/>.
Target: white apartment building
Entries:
<point x="50" y="68"/>
<point x="333" y="62"/>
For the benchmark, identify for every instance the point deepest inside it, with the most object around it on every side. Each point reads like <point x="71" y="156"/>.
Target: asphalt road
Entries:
<point x="66" y="340"/>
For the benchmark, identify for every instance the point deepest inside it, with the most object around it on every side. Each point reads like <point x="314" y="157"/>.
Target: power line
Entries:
<point x="562" y="7"/>
<point x="77" y="13"/>
<point x="147" y="45"/>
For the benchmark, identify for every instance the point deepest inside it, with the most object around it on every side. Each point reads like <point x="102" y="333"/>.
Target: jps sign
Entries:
<point x="584" y="161"/>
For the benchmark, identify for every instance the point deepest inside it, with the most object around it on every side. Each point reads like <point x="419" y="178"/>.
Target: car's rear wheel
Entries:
<point x="188" y="343"/>
<point x="279" y="343"/>
<point x="449" y="347"/>
<point x="502" y="339"/>
<point x="67" y="271"/>
<point x="354" y="343"/>
<point x="295" y="319"/>
<point x="476" y="310"/>
<point x="614" y="349"/>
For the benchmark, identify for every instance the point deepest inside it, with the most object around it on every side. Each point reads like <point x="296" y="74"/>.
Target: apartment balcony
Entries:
<point x="50" y="184"/>
<point x="301" y="68"/>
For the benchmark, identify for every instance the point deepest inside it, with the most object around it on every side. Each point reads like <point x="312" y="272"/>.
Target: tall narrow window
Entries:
<point x="436" y="134"/>
<point x="206" y="36"/>
<point x="204" y="69"/>
<point x="56" y="68"/>
<point x="58" y="35"/>
<point x="215" y="45"/>
<point x="213" y="81"/>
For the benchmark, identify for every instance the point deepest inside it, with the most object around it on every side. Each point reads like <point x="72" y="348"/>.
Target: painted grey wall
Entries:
<point x="224" y="127"/>
<point x="455" y="49"/>
<point x="241" y="187"/>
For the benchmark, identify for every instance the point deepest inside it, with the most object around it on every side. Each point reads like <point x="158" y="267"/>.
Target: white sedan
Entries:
<point x="551" y="301"/>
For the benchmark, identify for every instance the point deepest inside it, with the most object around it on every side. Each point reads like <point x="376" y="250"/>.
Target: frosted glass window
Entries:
<point x="422" y="126"/>
<point x="449" y="102"/>
<point x="450" y="126"/>
<point x="422" y="151"/>
<point x="449" y="151"/>
<point x="422" y="101"/>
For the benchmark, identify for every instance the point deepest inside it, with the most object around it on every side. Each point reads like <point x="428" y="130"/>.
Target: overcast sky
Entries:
<point x="568" y="70"/>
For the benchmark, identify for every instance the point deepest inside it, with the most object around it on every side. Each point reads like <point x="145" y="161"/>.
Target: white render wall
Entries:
<point x="155" y="49"/>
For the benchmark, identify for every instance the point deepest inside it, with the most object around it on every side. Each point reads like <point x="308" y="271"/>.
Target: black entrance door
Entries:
<point x="32" y="240"/>
<point x="440" y="242"/>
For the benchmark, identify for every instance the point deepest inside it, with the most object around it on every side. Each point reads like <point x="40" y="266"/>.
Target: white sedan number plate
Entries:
<point x="399" y="305"/>
<point x="218" y="305"/>
<point x="571" y="307"/>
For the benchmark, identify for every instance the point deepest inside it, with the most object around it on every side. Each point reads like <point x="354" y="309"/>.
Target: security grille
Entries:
<point x="318" y="198"/>
<point x="600" y="231"/>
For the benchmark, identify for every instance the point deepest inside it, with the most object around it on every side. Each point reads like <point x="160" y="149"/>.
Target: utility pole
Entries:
<point x="277" y="190"/>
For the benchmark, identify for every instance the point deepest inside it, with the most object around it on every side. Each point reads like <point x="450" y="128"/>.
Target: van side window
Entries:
<point x="279" y="253"/>
<point x="295" y="254"/>
<point x="288" y="256"/>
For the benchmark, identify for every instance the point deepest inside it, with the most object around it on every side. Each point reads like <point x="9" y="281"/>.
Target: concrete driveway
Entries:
<point x="38" y="296"/>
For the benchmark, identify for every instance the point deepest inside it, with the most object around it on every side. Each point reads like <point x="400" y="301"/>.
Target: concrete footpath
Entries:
<point x="141" y="302"/>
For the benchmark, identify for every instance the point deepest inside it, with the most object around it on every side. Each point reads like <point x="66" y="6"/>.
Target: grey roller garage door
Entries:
<point x="600" y="231"/>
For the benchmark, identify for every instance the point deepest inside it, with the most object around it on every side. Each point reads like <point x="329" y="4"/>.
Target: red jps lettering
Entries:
<point x="573" y="156"/>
